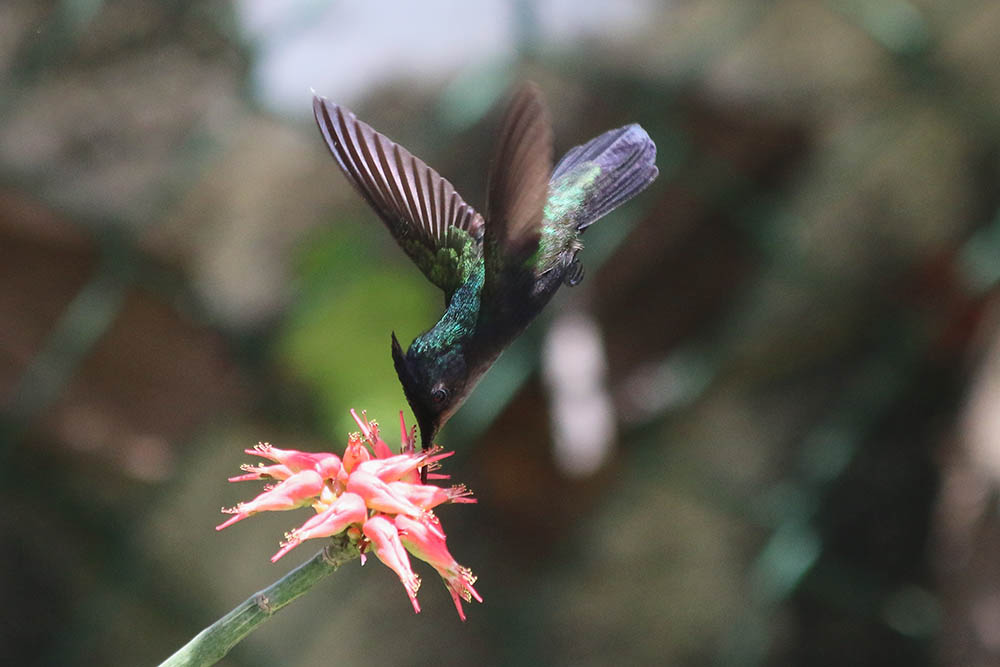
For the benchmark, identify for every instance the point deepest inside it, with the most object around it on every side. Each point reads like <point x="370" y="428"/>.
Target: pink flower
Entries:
<point x="406" y="438"/>
<point x="370" y="432"/>
<point x="290" y="461"/>
<point x="379" y="495"/>
<point x="385" y="542"/>
<point x="371" y="494"/>
<point x="296" y="491"/>
<point x="347" y="509"/>
<point x="292" y="458"/>
<point x="355" y="454"/>
<point x="424" y="539"/>
<point x="276" y="471"/>
<point x="400" y="467"/>
<point x="428" y="496"/>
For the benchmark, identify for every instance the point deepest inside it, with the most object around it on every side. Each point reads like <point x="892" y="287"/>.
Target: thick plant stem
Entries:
<point x="211" y="644"/>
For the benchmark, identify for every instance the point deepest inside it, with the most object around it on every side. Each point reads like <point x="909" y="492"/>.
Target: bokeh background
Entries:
<point x="765" y="429"/>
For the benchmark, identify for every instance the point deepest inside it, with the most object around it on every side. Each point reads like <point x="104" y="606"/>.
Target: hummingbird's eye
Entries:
<point x="439" y="395"/>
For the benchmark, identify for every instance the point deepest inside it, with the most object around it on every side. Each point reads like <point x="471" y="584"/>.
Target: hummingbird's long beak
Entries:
<point x="428" y="431"/>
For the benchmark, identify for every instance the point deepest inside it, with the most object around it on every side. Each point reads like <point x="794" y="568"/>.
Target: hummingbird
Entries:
<point x="497" y="271"/>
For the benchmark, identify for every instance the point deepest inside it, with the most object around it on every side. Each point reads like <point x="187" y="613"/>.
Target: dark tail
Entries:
<point x="626" y="158"/>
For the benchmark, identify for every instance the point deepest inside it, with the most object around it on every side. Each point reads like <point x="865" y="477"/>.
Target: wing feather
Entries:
<point x="417" y="205"/>
<point x="518" y="188"/>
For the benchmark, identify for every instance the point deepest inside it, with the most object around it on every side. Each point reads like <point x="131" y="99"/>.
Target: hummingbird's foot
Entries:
<point x="574" y="274"/>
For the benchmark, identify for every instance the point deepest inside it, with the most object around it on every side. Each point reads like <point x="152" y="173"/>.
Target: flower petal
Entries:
<point x="292" y="458"/>
<point x="425" y="539"/>
<point x="348" y="509"/>
<point x="277" y="471"/>
<point x="400" y="467"/>
<point x="355" y="454"/>
<point x="298" y="490"/>
<point x="379" y="495"/>
<point x="387" y="547"/>
<point x="428" y="496"/>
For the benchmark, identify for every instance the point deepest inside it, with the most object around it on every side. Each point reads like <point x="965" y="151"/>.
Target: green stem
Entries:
<point x="214" y="642"/>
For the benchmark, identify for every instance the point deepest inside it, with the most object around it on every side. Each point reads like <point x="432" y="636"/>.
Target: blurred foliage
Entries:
<point x="339" y="292"/>
<point x="798" y="326"/>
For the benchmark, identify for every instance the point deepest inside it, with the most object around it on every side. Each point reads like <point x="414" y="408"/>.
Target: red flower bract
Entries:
<point x="374" y="495"/>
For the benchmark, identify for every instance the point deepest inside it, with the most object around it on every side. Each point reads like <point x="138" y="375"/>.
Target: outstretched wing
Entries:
<point x="518" y="188"/>
<point x="424" y="213"/>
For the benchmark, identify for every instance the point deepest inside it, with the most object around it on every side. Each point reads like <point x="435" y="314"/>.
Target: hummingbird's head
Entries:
<point x="434" y="383"/>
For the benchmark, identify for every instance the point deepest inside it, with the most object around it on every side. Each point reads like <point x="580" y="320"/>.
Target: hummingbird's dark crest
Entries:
<point x="497" y="272"/>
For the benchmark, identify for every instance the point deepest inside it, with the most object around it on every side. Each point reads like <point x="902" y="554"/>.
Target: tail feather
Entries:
<point x="626" y="158"/>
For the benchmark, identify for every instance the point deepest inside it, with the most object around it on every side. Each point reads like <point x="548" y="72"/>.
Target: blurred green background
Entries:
<point x="765" y="429"/>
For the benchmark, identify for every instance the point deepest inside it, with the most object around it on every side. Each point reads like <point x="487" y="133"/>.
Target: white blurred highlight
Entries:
<point x="583" y="416"/>
<point x="329" y="46"/>
<point x="982" y="417"/>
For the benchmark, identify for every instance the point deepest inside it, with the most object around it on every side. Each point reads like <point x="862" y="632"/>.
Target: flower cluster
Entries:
<point x="374" y="495"/>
